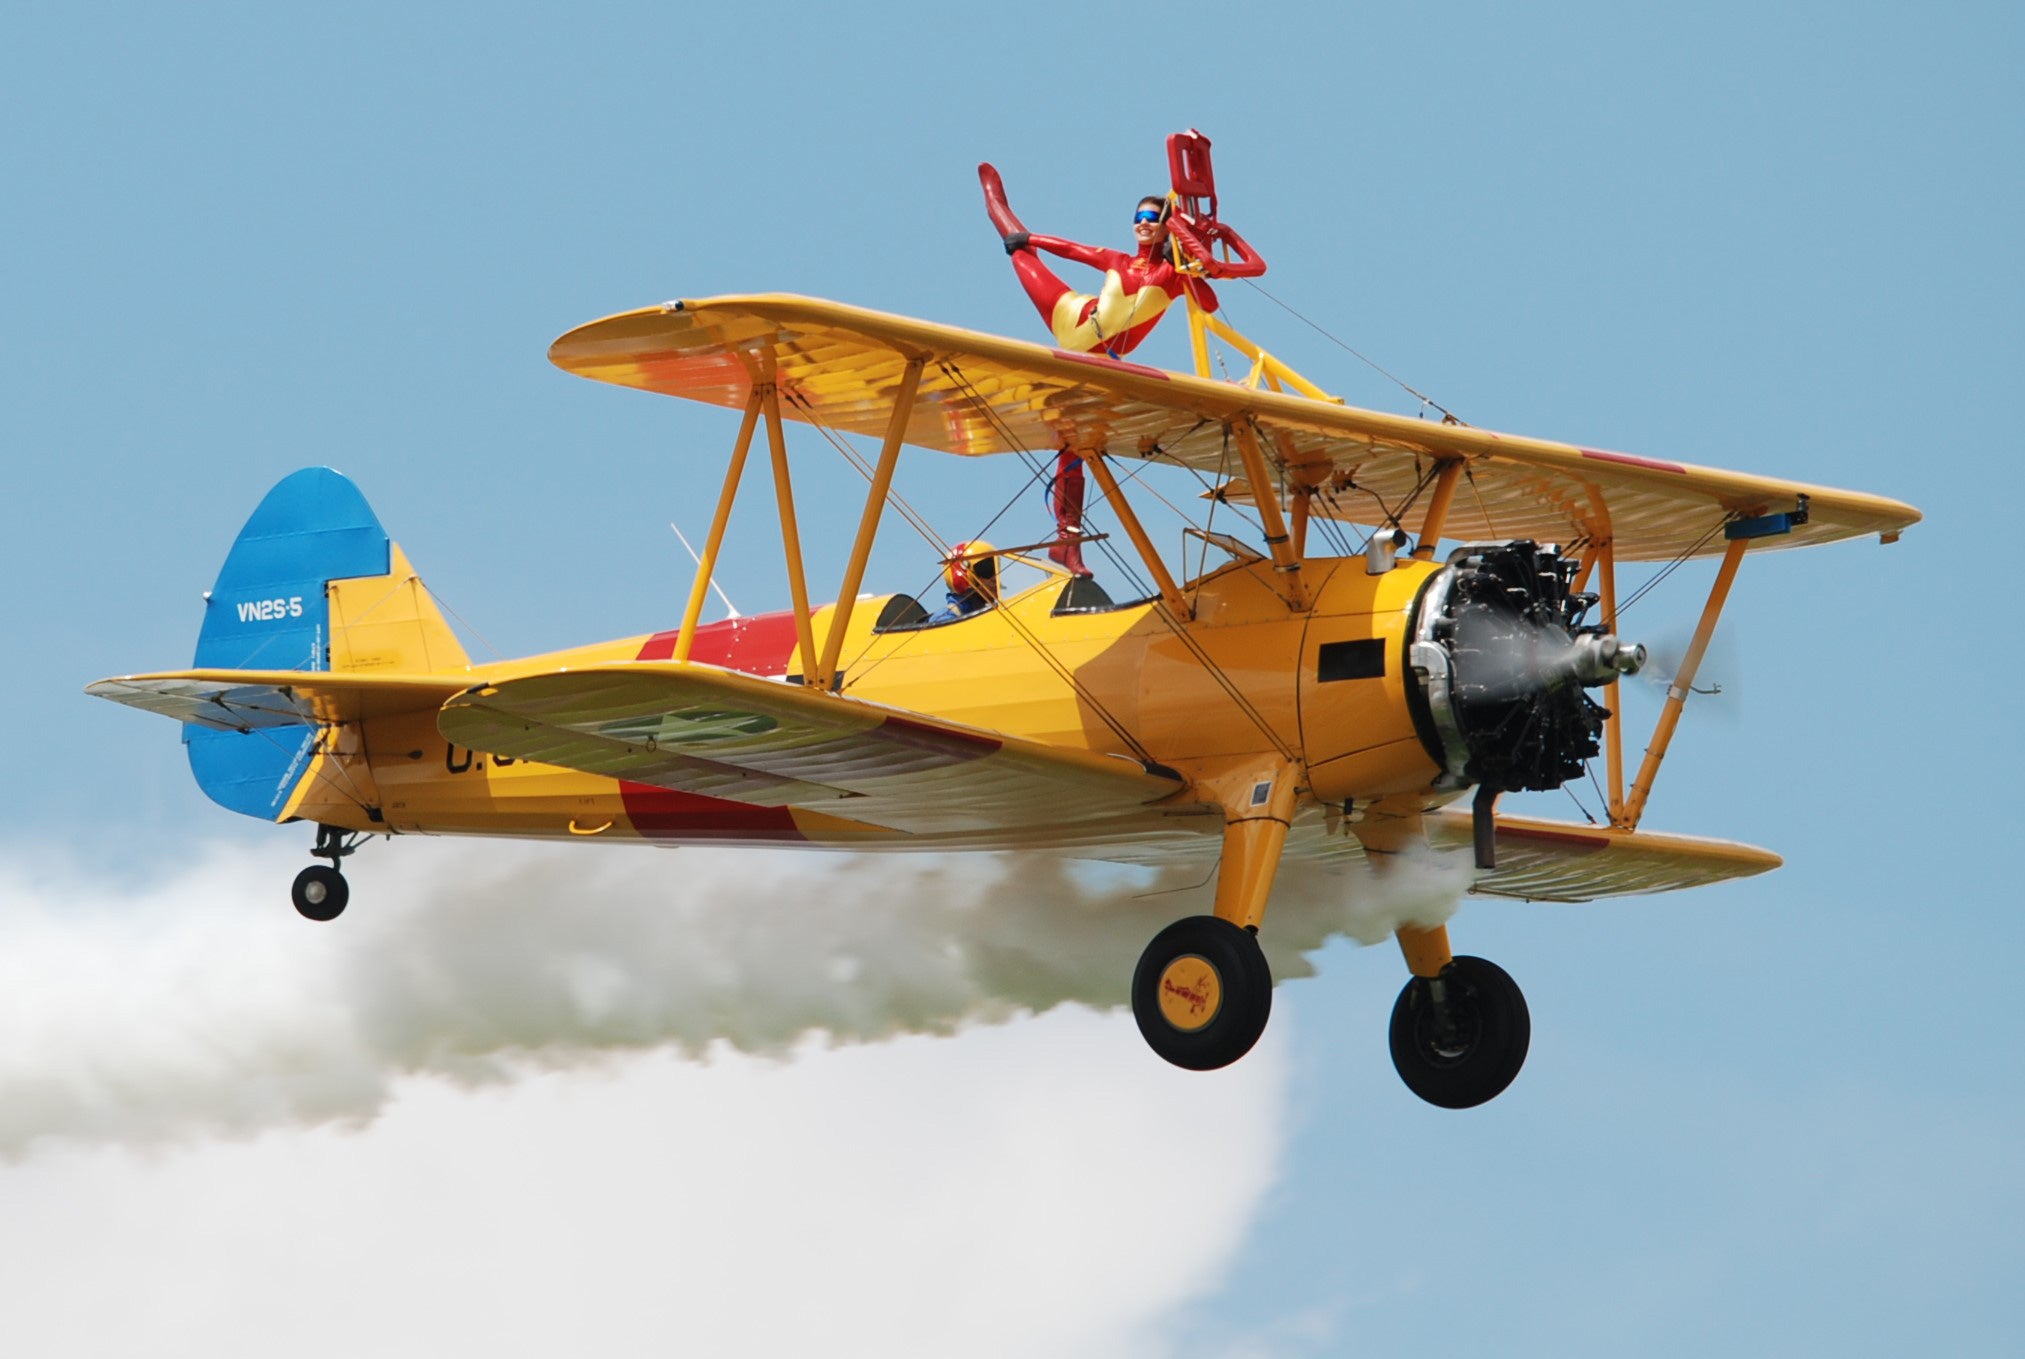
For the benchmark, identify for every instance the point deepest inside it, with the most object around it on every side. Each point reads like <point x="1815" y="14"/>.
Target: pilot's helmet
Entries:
<point x="970" y="567"/>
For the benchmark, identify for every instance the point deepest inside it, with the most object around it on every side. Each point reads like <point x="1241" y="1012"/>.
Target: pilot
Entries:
<point x="1137" y="288"/>
<point x="970" y="574"/>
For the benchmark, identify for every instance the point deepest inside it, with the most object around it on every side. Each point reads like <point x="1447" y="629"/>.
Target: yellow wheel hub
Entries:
<point x="1191" y="992"/>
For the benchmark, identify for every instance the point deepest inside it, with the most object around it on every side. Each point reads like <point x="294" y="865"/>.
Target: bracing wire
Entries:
<point x="991" y="416"/>
<point x="1425" y="400"/>
<point x="913" y="517"/>
<point x="349" y="791"/>
<point x="464" y="628"/>
<point x="1037" y="475"/>
<point x="1672" y="566"/>
<point x="1187" y="639"/>
<point x="1578" y="801"/>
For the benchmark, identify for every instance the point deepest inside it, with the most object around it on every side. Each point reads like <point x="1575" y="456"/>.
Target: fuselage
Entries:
<point x="1246" y="675"/>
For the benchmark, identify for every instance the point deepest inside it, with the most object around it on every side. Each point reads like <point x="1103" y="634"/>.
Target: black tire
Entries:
<point x="320" y="892"/>
<point x="1237" y="993"/>
<point x="1490" y="1030"/>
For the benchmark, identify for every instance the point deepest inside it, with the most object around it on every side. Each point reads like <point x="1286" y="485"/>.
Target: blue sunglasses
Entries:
<point x="1146" y="215"/>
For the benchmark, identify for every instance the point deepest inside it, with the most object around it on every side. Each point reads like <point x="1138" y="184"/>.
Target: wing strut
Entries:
<point x="1267" y="500"/>
<point x="1613" y="725"/>
<point x="707" y="563"/>
<point x="1437" y="509"/>
<point x="1627" y="815"/>
<point x="825" y="675"/>
<point x="1265" y="368"/>
<point x="790" y="536"/>
<point x="1100" y="467"/>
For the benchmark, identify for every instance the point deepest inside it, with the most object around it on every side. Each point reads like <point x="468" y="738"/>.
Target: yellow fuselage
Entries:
<point x="1246" y="676"/>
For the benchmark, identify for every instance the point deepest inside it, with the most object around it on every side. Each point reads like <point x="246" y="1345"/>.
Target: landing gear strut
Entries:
<point x="320" y="891"/>
<point x="1459" y="1038"/>
<point x="1203" y="991"/>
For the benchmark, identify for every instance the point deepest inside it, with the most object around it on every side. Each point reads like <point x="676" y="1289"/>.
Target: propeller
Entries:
<point x="1719" y="678"/>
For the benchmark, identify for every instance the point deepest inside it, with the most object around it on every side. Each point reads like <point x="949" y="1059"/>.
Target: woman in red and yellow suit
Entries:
<point x="1137" y="288"/>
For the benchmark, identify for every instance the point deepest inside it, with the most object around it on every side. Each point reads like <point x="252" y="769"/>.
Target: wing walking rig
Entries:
<point x="1282" y="706"/>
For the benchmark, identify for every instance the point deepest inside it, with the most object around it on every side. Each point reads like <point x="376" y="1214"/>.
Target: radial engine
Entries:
<point x="1503" y="663"/>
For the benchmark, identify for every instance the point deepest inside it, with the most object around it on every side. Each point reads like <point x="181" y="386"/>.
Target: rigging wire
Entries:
<point x="351" y="793"/>
<point x="1589" y="768"/>
<point x="1673" y="566"/>
<point x="1570" y="791"/>
<point x="1469" y="475"/>
<point x="1393" y="518"/>
<point x="991" y="416"/>
<point x="465" y="628"/>
<point x="338" y="760"/>
<point x="1209" y="520"/>
<point x="1331" y="532"/>
<point x="914" y="519"/>
<point x="1212" y="491"/>
<point x="1217" y="673"/>
<point x="1448" y="416"/>
<point x="1038" y="474"/>
<point x="1160" y="611"/>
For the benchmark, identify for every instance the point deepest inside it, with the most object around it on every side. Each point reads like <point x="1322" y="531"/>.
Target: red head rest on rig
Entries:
<point x="1193" y="177"/>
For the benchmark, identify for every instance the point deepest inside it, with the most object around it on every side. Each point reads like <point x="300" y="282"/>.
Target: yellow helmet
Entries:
<point x="971" y="567"/>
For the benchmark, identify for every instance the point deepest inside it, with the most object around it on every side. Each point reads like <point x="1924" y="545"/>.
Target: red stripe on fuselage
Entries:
<point x="759" y="645"/>
<point x="664" y="814"/>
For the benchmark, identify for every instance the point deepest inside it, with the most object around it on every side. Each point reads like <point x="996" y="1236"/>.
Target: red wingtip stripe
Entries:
<point x="957" y="745"/>
<point x="1581" y="844"/>
<point x="1631" y="460"/>
<point x="1106" y="361"/>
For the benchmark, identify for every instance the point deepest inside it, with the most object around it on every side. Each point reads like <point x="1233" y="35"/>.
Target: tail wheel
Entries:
<point x="1202" y="993"/>
<point x="1459" y="1039"/>
<point x="320" y="892"/>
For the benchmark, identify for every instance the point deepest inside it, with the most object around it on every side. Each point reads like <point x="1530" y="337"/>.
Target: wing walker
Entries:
<point x="1405" y="620"/>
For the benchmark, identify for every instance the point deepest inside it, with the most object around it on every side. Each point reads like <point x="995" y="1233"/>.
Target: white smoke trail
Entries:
<point x="203" y="1005"/>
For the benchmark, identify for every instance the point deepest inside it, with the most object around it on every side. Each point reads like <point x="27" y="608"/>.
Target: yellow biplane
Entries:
<point x="1278" y="704"/>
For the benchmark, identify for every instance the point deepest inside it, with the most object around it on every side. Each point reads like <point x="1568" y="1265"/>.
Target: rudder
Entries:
<point x="312" y="583"/>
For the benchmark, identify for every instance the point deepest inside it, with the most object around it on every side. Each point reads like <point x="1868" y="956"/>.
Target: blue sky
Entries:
<point x="1775" y="1116"/>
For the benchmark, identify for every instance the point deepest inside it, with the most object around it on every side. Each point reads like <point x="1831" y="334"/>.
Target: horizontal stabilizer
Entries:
<point x="696" y="729"/>
<point x="253" y="700"/>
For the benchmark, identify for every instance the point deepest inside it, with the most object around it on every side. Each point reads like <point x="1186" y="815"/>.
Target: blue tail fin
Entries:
<point x="269" y="611"/>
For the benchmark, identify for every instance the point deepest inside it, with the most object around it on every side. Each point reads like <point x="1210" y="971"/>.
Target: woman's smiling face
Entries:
<point x="1149" y="226"/>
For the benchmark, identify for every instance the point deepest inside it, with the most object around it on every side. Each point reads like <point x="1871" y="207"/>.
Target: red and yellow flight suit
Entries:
<point x="1136" y="292"/>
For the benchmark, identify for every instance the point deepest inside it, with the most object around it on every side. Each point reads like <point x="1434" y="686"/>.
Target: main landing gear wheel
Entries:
<point x="320" y="892"/>
<point x="1460" y="1038"/>
<point x="1202" y="992"/>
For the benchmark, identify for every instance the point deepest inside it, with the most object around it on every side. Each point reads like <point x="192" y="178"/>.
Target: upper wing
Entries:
<point x="727" y="735"/>
<point x="247" y="700"/>
<point x="842" y="366"/>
